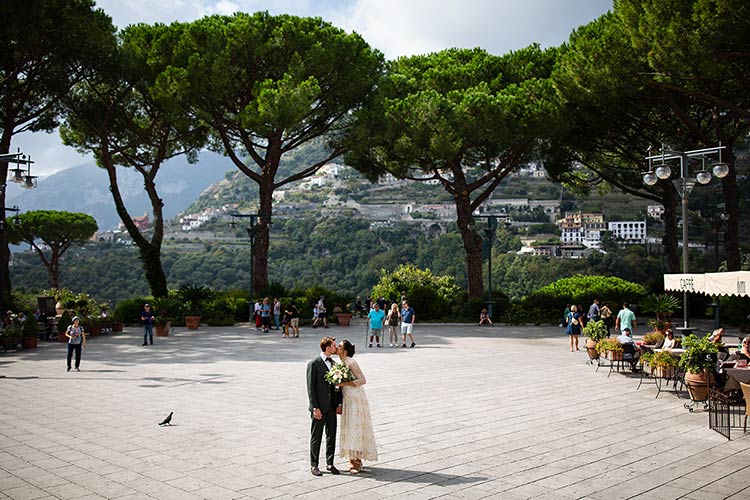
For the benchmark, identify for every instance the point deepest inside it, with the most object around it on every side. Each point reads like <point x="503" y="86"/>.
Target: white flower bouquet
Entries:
<point x="339" y="373"/>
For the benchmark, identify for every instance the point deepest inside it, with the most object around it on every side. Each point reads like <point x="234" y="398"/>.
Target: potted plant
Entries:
<point x="653" y="338"/>
<point x="607" y="346"/>
<point x="29" y="334"/>
<point x="595" y="331"/>
<point x="10" y="336"/>
<point x="344" y="318"/>
<point x="164" y="308"/>
<point x="62" y="324"/>
<point x="663" y="364"/>
<point x="697" y="360"/>
<point x="661" y="304"/>
<point x="193" y="297"/>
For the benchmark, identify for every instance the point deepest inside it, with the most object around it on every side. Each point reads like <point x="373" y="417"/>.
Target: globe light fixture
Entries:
<point x="704" y="176"/>
<point x="663" y="172"/>
<point x="721" y="169"/>
<point x="649" y="179"/>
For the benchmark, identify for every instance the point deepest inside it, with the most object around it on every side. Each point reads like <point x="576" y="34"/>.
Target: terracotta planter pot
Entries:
<point x="61" y="336"/>
<point x="29" y="342"/>
<point x="117" y="327"/>
<point x="192" y="322"/>
<point x="95" y="331"/>
<point x="663" y="372"/>
<point x="697" y="384"/>
<point x="615" y="355"/>
<point x="163" y="331"/>
<point x="345" y="319"/>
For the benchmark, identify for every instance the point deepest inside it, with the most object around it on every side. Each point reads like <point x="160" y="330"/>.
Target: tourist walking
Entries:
<point x="408" y="317"/>
<point x="356" y="437"/>
<point x="594" y="311"/>
<point x="625" y="319"/>
<point x="76" y="342"/>
<point x="276" y="311"/>
<point x="147" y="319"/>
<point x="265" y="315"/>
<point x="392" y="320"/>
<point x="575" y="324"/>
<point x="609" y="320"/>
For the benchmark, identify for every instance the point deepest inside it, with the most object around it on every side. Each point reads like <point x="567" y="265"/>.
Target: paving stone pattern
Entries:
<point x="469" y="413"/>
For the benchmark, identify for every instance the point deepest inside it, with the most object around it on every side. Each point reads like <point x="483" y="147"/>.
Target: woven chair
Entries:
<point x="746" y="395"/>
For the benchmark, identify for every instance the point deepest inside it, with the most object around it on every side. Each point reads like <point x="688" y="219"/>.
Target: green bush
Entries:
<point x="129" y="310"/>
<point x="583" y="290"/>
<point x="427" y="304"/>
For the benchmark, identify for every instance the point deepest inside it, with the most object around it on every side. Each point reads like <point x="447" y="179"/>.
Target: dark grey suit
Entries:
<point x="326" y="398"/>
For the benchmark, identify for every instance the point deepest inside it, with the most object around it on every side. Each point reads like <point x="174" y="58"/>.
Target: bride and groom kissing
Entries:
<point x="348" y="399"/>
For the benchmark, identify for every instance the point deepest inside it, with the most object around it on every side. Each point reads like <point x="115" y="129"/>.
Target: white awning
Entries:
<point x="732" y="283"/>
<point x="690" y="282"/>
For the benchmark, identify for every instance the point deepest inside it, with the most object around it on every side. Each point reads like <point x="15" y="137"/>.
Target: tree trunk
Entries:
<point x="731" y="199"/>
<point x="262" y="237"/>
<point x="153" y="271"/>
<point x="472" y="245"/>
<point x="150" y="251"/>
<point x="671" y="251"/>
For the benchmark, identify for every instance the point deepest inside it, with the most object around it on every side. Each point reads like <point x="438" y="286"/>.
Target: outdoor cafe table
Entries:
<point x="737" y="375"/>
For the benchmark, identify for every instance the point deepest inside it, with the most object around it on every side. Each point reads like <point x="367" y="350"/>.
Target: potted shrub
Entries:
<point x="344" y="318"/>
<point x="607" y="346"/>
<point x="653" y="338"/>
<point x="661" y="304"/>
<point x="164" y="308"/>
<point x="193" y="297"/>
<point x="697" y="361"/>
<point x="62" y="324"/>
<point x="595" y="331"/>
<point x="29" y="334"/>
<point x="663" y="364"/>
<point x="11" y="336"/>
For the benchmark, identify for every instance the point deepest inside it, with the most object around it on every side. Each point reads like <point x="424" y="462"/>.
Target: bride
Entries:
<point x="356" y="437"/>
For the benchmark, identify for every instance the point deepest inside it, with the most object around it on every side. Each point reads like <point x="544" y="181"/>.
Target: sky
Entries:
<point x="395" y="27"/>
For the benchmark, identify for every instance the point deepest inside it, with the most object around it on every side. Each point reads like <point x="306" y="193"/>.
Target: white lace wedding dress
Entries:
<point x="356" y="437"/>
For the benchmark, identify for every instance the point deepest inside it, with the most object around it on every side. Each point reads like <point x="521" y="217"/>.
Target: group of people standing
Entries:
<point x="575" y="319"/>
<point x="404" y="317"/>
<point x="263" y="312"/>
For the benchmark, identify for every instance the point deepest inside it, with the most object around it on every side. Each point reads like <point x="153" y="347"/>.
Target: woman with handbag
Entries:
<point x="573" y="329"/>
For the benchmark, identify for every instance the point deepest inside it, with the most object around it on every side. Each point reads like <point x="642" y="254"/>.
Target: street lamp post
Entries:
<point x="684" y="184"/>
<point x="490" y="232"/>
<point x="23" y="177"/>
<point x="716" y="219"/>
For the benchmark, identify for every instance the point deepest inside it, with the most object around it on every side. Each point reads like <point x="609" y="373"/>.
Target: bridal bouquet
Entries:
<point x="339" y="373"/>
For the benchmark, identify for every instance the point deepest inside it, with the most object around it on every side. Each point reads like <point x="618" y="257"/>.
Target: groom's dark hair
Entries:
<point x="325" y="342"/>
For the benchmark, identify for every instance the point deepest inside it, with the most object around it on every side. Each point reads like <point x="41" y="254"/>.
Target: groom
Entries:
<point x="325" y="403"/>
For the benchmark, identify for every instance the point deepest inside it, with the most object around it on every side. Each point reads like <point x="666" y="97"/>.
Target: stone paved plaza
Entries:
<point x="503" y="412"/>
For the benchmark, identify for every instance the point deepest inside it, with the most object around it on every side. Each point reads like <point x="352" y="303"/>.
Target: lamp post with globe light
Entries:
<point x="684" y="184"/>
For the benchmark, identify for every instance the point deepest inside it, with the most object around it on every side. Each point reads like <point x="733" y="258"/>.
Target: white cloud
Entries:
<point x="419" y="26"/>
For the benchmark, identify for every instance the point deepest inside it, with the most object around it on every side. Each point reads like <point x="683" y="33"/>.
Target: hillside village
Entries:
<point x="577" y="233"/>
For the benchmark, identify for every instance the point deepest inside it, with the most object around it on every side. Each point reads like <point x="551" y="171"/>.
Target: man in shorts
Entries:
<point x="407" y="322"/>
<point x="377" y="319"/>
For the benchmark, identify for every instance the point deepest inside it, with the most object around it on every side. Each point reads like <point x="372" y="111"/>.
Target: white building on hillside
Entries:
<point x="628" y="232"/>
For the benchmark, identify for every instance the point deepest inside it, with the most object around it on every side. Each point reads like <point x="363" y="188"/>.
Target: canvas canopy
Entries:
<point x="731" y="283"/>
<point x="690" y="282"/>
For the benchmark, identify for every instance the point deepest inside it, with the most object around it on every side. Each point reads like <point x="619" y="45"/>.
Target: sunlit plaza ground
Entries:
<point x="470" y="412"/>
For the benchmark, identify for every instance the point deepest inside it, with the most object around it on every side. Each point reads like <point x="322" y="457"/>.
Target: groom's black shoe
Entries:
<point x="315" y="471"/>
<point x="332" y="469"/>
